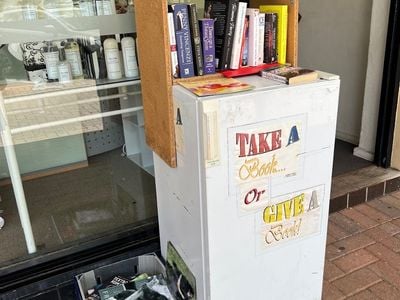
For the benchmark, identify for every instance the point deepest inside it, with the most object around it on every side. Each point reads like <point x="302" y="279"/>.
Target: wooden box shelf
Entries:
<point x="155" y="68"/>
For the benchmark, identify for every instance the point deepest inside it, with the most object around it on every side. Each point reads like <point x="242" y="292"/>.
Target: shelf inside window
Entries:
<point x="25" y="91"/>
<point x="63" y="28"/>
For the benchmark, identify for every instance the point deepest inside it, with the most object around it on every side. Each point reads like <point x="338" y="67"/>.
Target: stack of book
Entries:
<point x="230" y="36"/>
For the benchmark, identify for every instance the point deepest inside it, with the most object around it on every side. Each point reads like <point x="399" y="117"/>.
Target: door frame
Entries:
<point x="390" y="91"/>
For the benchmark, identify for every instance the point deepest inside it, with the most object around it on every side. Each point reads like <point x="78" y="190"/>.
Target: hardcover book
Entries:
<point x="261" y="30"/>
<point x="291" y="75"/>
<point x="244" y="54"/>
<point x="253" y="36"/>
<point x="183" y="40"/>
<point x="282" y="12"/>
<point x="208" y="46"/>
<point x="238" y="36"/>
<point x="270" y="55"/>
<point x="172" y="43"/>
<point x="196" y="42"/>
<point x="224" y="13"/>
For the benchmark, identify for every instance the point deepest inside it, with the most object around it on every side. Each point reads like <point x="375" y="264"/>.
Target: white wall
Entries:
<point x="334" y="37"/>
<point x="376" y="57"/>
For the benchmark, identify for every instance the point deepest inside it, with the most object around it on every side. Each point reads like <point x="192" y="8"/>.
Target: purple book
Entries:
<point x="208" y="43"/>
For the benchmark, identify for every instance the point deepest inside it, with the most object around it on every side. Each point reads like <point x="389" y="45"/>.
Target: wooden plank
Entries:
<point x="292" y="36"/>
<point x="156" y="80"/>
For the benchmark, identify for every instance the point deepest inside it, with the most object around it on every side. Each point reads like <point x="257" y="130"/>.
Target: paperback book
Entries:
<point x="172" y="43"/>
<point x="207" y="40"/>
<point x="270" y="55"/>
<point x="290" y="75"/>
<point x="183" y="40"/>
<point x="196" y="41"/>
<point x="211" y="87"/>
<point x="224" y="13"/>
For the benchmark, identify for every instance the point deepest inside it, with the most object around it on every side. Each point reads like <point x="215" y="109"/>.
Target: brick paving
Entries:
<point x="363" y="251"/>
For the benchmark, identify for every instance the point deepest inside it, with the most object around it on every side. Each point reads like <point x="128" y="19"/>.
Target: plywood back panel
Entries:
<point x="155" y="73"/>
<point x="292" y="36"/>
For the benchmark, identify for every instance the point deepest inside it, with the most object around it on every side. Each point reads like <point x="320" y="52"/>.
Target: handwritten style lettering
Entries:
<point x="254" y="168"/>
<point x="281" y="232"/>
<point x="253" y="195"/>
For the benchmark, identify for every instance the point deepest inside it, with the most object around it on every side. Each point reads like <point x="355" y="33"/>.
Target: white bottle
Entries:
<point x="109" y="7"/>
<point x="51" y="58"/>
<point x="51" y="8"/>
<point x="29" y="11"/>
<point x="113" y="63"/>
<point x="99" y="8"/>
<point x="87" y="8"/>
<point x="64" y="68"/>
<point x="73" y="56"/>
<point x="129" y="56"/>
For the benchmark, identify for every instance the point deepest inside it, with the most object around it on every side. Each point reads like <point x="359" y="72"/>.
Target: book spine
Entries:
<point x="238" y="36"/>
<point x="253" y="36"/>
<point x="261" y="29"/>
<point x="217" y="10"/>
<point x="283" y="36"/>
<point x="244" y="55"/>
<point x="208" y="45"/>
<point x="274" y="77"/>
<point x="270" y="54"/>
<point x="172" y="43"/>
<point x="183" y="40"/>
<point x="196" y="42"/>
<point x="229" y="33"/>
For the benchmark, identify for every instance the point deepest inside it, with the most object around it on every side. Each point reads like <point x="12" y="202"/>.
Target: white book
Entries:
<point x="238" y="36"/>
<point x="261" y="30"/>
<point x="253" y="14"/>
<point x="172" y="43"/>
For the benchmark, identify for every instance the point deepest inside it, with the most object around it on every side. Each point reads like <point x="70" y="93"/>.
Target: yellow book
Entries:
<point x="282" y="11"/>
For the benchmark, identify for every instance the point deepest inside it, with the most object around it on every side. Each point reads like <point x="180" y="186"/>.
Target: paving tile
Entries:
<point x="391" y="200"/>
<point x="384" y="253"/>
<point x="330" y="292"/>
<point x="386" y="272"/>
<point x="356" y="282"/>
<point x="330" y="239"/>
<point x="337" y="232"/>
<point x="396" y="222"/>
<point x="385" y="291"/>
<point x="390" y="227"/>
<point x="395" y="194"/>
<point x="375" y="191"/>
<point x="331" y="271"/>
<point x="355" y="260"/>
<point x="359" y="218"/>
<point x="364" y="295"/>
<point x="357" y="197"/>
<point x="345" y="223"/>
<point x="347" y="245"/>
<point x="372" y="213"/>
<point x="385" y="208"/>
<point x="381" y="236"/>
<point x="392" y="185"/>
<point x="337" y="204"/>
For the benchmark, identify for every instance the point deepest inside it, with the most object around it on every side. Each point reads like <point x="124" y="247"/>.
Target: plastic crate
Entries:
<point x="149" y="264"/>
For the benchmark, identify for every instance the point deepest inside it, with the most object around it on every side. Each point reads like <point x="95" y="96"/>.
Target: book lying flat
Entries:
<point x="290" y="75"/>
<point x="218" y="86"/>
